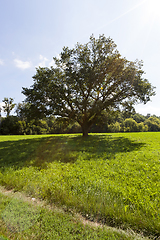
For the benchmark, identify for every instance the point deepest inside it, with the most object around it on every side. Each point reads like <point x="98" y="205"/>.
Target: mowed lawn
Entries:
<point x="113" y="179"/>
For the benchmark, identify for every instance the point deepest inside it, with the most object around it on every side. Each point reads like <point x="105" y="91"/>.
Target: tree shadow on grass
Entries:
<point x="40" y="151"/>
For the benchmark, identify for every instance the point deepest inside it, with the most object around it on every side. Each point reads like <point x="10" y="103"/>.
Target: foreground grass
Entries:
<point x="110" y="178"/>
<point x="23" y="219"/>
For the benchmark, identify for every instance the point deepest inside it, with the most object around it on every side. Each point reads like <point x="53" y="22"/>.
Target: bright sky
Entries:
<point x="33" y="31"/>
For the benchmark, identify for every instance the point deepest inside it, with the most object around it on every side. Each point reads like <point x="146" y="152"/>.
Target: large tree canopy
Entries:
<point x="85" y="81"/>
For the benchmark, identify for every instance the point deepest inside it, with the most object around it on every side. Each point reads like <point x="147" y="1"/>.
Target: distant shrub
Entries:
<point x="114" y="127"/>
<point x="21" y="127"/>
<point x="73" y="128"/>
<point x="130" y="125"/>
<point x="9" y="125"/>
<point x="153" y="124"/>
<point x="142" y="127"/>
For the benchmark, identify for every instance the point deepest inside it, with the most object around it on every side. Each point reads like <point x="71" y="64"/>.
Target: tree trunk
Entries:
<point x="85" y="130"/>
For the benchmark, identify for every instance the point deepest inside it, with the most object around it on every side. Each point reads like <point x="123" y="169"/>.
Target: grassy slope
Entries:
<point x="112" y="178"/>
<point x="36" y="220"/>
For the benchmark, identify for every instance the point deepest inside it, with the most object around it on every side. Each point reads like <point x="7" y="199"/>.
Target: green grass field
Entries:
<point x="113" y="179"/>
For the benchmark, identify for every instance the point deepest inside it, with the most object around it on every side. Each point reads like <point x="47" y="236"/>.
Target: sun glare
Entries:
<point x="152" y="9"/>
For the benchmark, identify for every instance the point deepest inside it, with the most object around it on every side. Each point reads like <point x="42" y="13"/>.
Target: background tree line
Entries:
<point x="116" y="121"/>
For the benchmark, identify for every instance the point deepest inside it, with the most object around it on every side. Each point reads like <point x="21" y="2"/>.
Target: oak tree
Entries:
<point x="87" y="80"/>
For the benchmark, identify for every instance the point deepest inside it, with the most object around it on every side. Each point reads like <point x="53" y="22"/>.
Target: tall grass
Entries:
<point x="25" y="220"/>
<point x="111" y="178"/>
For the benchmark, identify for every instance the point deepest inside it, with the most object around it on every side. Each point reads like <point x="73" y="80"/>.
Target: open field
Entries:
<point x="112" y="179"/>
